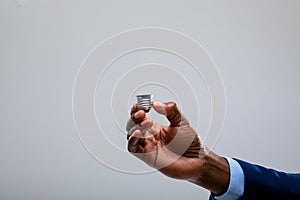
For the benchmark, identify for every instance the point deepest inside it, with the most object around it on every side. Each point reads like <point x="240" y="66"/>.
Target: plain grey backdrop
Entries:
<point x="255" y="45"/>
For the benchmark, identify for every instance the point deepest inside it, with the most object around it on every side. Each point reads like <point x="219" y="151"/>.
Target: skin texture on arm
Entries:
<point x="175" y="150"/>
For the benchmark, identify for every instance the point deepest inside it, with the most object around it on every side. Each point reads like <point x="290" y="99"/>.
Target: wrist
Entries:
<point x="213" y="173"/>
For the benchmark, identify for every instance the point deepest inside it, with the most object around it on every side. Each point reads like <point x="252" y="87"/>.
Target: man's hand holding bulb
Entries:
<point x="175" y="150"/>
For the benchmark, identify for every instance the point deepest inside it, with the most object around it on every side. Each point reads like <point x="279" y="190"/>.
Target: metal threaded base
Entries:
<point x="144" y="102"/>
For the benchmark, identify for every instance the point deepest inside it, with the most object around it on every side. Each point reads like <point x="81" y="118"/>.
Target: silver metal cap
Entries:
<point x="144" y="101"/>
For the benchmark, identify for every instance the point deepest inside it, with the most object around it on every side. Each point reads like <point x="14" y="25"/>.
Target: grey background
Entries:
<point x="255" y="44"/>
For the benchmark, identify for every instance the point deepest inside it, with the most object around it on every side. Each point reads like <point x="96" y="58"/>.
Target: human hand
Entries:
<point x="174" y="150"/>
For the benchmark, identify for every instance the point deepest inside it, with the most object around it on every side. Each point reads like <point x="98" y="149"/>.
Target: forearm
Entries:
<point x="214" y="174"/>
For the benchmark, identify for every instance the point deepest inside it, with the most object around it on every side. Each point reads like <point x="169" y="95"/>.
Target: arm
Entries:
<point x="261" y="182"/>
<point x="176" y="150"/>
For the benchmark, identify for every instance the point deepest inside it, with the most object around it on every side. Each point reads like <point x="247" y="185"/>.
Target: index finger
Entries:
<point x="133" y="118"/>
<point x="134" y="108"/>
<point x="137" y="115"/>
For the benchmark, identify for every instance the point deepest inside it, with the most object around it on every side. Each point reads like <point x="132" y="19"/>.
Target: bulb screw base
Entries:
<point x="145" y="102"/>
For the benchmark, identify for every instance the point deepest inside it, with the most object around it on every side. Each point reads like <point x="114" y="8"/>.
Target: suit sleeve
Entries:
<point x="261" y="182"/>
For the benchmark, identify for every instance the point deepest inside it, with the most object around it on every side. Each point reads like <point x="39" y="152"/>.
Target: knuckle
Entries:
<point x="171" y="105"/>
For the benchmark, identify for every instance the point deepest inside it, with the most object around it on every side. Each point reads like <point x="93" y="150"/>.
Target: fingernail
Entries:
<point x="137" y="114"/>
<point x="144" y="123"/>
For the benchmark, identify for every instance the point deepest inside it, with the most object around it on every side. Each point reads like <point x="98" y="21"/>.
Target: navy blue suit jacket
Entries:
<point x="263" y="183"/>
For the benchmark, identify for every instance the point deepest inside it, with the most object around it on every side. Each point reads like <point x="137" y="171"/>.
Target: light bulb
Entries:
<point x="144" y="102"/>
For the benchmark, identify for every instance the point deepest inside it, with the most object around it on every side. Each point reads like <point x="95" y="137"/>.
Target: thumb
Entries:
<point x="171" y="111"/>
